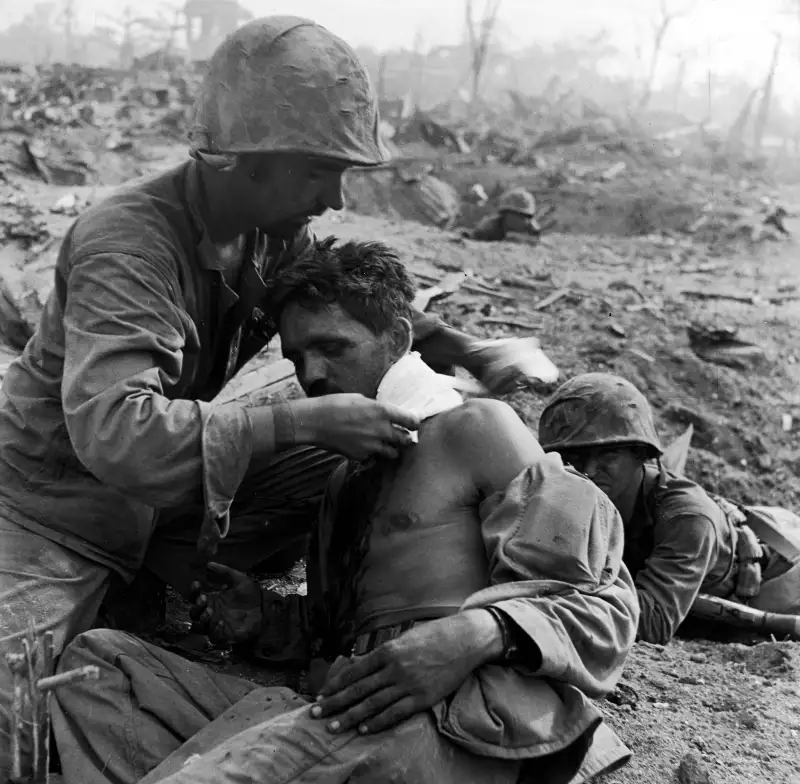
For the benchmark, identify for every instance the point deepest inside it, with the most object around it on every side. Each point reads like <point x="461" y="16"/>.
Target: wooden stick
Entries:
<point x="510" y="323"/>
<point x="17" y="664"/>
<point x="549" y="300"/>
<point x="90" y="672"/>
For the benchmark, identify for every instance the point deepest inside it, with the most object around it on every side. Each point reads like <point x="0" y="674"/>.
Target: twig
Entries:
<point x="91" y="672"/>
<point x="549" y="300"/>
<point x="510" y="323"/>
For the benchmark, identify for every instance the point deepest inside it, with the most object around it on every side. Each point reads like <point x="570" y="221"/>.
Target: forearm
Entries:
<point x="441" y="346"/>
<point x="487" y="641"/>
<point x="664" y="609"/>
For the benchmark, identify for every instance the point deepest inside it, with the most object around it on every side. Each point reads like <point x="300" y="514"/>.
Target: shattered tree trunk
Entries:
<point x="766" y="100"/>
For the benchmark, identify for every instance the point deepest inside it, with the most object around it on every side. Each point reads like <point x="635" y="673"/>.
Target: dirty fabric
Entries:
<point x="679" y="544"/>
<point x="43" y="583"/>
<point x="154" y="701"/>
<point x="555" y="547"/>
<point x="106" y="415"/>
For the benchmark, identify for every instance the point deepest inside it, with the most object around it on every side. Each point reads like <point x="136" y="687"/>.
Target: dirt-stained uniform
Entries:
<point x="545" y="551"/>
<point x="109" y="444"/>
<point x="680" y="541"/>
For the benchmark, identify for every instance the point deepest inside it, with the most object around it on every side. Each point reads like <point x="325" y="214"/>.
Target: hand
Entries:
<point x="409" y="674"/>
<point x="232" y="614"/>
<point x="354" y="426"/>
<point x="499" y="367"/>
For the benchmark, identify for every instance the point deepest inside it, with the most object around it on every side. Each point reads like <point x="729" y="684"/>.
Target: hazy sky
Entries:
<point x="736" y="35"/>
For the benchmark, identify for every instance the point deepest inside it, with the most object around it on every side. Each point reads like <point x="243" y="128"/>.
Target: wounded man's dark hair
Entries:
<point x="366" y="279"/>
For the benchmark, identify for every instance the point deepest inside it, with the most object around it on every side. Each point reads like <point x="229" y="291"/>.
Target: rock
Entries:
<point x="690" y="680"/>
<point x="693" y="770"/>
<point x="749" y="720"/>
<point x="699" y="658"/>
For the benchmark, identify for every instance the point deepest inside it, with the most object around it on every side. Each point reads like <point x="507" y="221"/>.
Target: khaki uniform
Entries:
<point x="110" y="449"/>
<point x="681" y="542"/>
<point x="553" y="549"/>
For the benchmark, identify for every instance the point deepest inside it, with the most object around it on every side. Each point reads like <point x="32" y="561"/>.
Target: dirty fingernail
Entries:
<point x="363" y="729"/>
<point x="334" y="726"/>
<point x="316" y="711"/>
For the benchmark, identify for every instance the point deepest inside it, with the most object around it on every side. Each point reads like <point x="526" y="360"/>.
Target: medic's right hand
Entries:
<point x="353" y="425"/>
<point x="231" y="614"/>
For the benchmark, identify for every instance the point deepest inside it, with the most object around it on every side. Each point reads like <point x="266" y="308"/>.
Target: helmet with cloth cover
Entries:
<point x="598" y="410"/>
<point x="518" y="200"/>
<point x="286" y="84"/>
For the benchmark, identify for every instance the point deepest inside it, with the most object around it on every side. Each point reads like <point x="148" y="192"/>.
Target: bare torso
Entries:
<point x="426" y="553"/>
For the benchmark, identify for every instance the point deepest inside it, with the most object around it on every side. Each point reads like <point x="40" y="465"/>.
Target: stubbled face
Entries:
<point x="617" y="471"/>
<point x="332" y="352"/>
<point x="283" y="192"/>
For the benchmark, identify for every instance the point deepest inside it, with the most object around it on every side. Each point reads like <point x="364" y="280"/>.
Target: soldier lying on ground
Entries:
<point x="111" y="455"/>
<point x="679" y="540"/>
<point x="470" y="594"/>
<point x="516" y="213"/>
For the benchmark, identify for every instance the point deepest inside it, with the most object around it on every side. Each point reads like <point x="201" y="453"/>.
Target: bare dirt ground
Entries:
<point x="622" y="306"/>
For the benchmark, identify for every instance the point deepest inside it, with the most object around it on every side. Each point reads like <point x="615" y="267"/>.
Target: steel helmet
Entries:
<point x="597" y="409"/>
<point x="518" y="200"/>
<point x="286" y="84"/>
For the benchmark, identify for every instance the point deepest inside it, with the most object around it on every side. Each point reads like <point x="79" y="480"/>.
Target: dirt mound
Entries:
<point x="400" y="194"/>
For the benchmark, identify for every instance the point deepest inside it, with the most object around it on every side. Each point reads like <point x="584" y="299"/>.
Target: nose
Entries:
<point x="332" y="195"/>
<point x="313" y="372"/>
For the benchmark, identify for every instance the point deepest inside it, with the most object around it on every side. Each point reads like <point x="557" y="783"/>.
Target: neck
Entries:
<point x="222" y="216"/>
<point x="627" y="500"/>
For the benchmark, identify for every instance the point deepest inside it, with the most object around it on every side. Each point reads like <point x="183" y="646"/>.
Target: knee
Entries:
<point x="98" y="646"/>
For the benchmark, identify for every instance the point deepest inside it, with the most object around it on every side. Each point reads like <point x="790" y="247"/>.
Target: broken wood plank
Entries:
<point x="747" y="299"/>
<point x="472" y="288"/>
<point x="521" y="283"/>
<point x="552" y="298"/>
<point x="449" y="284"/>
<point x="510" y="323"/>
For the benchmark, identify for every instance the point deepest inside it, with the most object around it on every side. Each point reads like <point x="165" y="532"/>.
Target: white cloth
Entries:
<point x="415" y="387"/>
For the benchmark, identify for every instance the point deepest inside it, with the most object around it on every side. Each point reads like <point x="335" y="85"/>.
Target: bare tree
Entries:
<point x="667" y="17"/>
<point x="480" y="38"/>
<point x="762" y="118"/>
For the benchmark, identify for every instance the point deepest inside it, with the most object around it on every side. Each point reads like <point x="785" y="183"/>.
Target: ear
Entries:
<point x="402" y="336"/>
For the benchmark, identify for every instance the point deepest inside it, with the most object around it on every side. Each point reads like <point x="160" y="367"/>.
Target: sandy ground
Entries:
<point x="733" y="706"/>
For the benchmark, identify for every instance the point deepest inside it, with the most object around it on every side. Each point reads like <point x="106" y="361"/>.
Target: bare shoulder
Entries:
<point x="488" y="439"/>
<point x="478" y="418"/>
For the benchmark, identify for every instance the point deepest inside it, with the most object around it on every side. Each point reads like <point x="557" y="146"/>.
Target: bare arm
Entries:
<point x="555" y="552"/>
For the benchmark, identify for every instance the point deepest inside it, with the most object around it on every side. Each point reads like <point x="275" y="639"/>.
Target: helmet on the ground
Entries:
<point x="596" y="410"/>
<point x="518" y="200"/>
<point x="286" y="84"/>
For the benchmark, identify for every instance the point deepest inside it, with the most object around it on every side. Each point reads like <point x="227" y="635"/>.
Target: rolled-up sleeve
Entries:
<point x="555" y="551"/>
<point x="124" y="341"/>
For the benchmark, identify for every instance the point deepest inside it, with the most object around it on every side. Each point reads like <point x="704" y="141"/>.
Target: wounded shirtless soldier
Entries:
<point x="469" y="593"/>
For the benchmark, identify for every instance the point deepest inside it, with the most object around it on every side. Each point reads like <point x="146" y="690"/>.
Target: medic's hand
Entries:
<point x="354" y="426"/>
<point x="497" y="367"/>
<point x="232" y="614"/>
<point x="407" y="675"/>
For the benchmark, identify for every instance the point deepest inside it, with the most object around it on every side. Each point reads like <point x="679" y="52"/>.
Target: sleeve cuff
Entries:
<point x="227" y="438"/>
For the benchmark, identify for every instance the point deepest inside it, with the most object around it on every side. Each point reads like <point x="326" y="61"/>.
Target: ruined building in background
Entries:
<point x="208" y="22"/>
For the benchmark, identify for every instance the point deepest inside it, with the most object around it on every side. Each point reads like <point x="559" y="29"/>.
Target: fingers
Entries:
<point x="351" y="697"/>
<point x="364" y="712"/>
<point x="231" y="576"/>
<point x="351" y="671"/>
<point x="391" y="716"/>
<point x="399" y="416"/>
